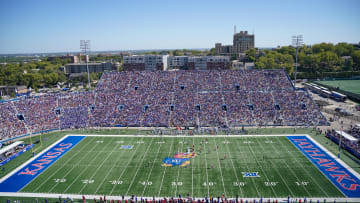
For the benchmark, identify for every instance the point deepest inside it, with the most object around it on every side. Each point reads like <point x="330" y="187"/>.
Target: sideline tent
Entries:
<point x="347" y="136"/>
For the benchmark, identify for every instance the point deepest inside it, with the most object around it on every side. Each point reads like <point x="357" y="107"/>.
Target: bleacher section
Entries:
<point x="168" y="98"/>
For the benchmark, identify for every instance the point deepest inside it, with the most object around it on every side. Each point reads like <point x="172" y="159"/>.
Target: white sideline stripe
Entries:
<point x="31" y="159"/>
<point x="91" y="197"/>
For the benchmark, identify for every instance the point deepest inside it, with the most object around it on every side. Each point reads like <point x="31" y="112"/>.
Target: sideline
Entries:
<point x="91" y="197"/>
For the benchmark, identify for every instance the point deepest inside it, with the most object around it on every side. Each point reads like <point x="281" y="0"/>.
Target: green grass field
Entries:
<point x="347" y="85"/>
<point x="98" y="165"/>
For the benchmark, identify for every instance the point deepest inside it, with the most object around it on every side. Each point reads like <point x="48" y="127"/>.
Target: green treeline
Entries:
<point x="319" y="58"/>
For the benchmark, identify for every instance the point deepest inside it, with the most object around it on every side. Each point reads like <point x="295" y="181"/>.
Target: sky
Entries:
<point x="40" y="26"/>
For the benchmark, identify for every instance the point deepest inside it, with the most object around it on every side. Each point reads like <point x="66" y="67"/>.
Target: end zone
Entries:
<point x="27" y="172"/>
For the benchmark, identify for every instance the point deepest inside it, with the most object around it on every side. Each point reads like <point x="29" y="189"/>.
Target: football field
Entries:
<point x="256" y="166"/>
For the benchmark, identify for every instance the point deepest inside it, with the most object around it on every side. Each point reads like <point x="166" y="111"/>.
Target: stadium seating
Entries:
<point x="167" y="98"/>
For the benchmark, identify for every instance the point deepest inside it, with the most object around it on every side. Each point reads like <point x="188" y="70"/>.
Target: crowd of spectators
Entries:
<point x="10" y="125"/>
<point x="168" y="98"/>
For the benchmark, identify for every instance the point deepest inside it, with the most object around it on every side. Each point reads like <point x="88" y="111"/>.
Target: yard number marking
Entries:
<point x="302" y="183"/>
<point x="209" y="184"/>
<point x="62" y="180"/>
<point x="237" y="184"/>
<point x="176" y="183"/>
<point x="87" y="181"/>
<point x="270" y="184"/>
<point x="146" y="183"/>
<point x="115" y="182"/>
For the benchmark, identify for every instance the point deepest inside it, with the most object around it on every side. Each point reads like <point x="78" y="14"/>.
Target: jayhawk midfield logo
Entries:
<point x="181" y="159"/>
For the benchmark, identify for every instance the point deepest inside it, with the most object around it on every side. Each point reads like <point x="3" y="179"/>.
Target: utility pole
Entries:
<point x="297" y="41"/>
<point x="85" y="48"/>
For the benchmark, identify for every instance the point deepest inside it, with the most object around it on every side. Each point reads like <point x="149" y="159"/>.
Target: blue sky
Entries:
<point x="32" y="26"/>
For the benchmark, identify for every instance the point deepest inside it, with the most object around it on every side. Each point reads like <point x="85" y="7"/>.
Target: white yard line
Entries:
<point x="261" y="168"/>
<point x="112" y="189"/>
<point x="59" y="168"/>
<point x="222" y="178"/>
<point x="207" y="176"/>
<point x="94" y="174"/>
<point x="177" y="178"/>
<point x="252" y="180"/>
<point x="82" y="171"/>
<point x="112" y="167"/>
<point x="237" y="179"/>
<point x="274" y="167"/>
<point x="148" y="178"/>
<point x="162" y="180"/>
<point x="292" y="171"/>
<point x="192" y="172"/>
<point x="137" y="170"/>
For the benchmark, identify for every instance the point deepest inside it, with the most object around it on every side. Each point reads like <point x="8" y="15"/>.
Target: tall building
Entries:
<point x="242" y="41"/>
<point x="76" y="69"/>
<point x="144" y="62"/>
<point x="178" y="62"/>
<point x="199" y="62"/>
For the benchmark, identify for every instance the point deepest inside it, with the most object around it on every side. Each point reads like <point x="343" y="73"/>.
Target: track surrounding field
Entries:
<point x="347" y="85"/>
<point x="105" y="165"/>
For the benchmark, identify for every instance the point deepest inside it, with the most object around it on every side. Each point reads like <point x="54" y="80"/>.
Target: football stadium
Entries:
<point x="166" y="136"/>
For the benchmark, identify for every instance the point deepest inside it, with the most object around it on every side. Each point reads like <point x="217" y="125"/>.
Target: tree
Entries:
<point x="212" y="52"/>
<point x="356" y="59"/>
<point x="251" y="53"/>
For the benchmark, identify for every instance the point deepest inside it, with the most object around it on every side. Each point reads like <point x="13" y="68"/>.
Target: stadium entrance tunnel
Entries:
<point x="237" y="86"/>
<point x="303" y="105"/>
<point x="198" y="107"/>
<point x="57" y="111"/>
<point x="146" y="107"/>
<point x="20" y="117"/>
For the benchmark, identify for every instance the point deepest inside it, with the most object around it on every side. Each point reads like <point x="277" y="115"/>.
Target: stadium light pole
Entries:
<point x="297" y="40"/>
<point x="85" y="48"/>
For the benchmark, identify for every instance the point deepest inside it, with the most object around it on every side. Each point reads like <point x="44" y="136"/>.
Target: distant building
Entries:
<point x="72" y="59"/>
<point x="76" y="69"/>
<point x="144" y="62"/>
<point x="239" y="65"/>
<point x="242" y="41"/>
<point x="346" y="58"/>
<point x="178" y="62"/>
<point x="16" y="90"/>
<point x="199" y="62"/>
